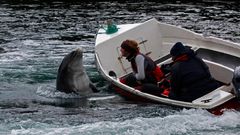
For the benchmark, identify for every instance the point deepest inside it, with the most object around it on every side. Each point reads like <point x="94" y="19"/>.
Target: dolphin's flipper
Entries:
<point x="93" y="87"/>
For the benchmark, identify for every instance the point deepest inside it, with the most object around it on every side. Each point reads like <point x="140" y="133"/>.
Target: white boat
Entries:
<point x="156" y="39"/>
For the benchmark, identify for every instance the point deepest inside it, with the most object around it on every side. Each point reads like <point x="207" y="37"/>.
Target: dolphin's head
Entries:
<point x="72" y="63"/>
<point x="70" y="67"/>
<point x="72" y="76"/>
<point x="74" y="60"/>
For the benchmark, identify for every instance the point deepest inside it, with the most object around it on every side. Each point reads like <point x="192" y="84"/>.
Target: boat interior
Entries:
<point x="155" y="40"/>
<point x="221" y="67"/>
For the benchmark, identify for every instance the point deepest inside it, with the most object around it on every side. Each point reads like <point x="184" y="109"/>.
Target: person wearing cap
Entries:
<point x="145" y="71"/>
<point x="190" y="76"/>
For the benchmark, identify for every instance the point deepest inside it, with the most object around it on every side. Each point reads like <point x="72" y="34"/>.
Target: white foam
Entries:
<point x="100" y="98"/>
<point x="51" y="92"/>
<point x="29" y="42"/>
<point x="184" y="122"/>
<point x="13" y="56"/>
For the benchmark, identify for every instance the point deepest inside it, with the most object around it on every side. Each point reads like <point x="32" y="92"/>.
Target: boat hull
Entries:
<point x="233" y="104"/>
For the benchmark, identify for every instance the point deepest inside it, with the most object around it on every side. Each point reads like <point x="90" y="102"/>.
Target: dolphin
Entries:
<point x="72" y="77"/>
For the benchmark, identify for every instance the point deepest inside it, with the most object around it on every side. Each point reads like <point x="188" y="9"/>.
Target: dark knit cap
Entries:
<point x="178" y="49"/>
<point x="130" y="46"/>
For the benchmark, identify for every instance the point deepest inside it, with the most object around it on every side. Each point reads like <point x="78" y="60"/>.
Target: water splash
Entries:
<point x="189" y="122"/>
<point x="50" y="91"/>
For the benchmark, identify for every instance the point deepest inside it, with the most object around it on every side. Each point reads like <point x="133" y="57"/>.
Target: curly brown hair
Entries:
<point x="130" y="46"/>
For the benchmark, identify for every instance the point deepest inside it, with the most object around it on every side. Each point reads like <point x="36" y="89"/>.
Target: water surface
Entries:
<point x="36" y="35"/>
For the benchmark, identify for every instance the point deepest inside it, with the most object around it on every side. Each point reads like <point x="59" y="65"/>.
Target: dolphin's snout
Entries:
<point x="79" y="50"/>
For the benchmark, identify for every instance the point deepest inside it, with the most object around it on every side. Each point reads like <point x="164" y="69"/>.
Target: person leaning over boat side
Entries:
<point x="145" y="71"/>
<point x="190" y="76"/>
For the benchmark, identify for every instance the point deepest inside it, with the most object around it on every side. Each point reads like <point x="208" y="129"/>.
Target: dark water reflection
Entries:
<point x="37" y="34"/>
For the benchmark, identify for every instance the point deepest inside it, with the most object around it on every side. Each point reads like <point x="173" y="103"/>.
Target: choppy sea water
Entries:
<point x="36" y="35"/>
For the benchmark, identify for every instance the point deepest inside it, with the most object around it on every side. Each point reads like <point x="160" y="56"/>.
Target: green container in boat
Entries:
<point x="111" y="28"/>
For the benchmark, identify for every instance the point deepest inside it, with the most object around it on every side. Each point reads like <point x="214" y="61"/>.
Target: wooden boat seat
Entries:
<point x="220" y="72"/>
<point x="216" y="97"/>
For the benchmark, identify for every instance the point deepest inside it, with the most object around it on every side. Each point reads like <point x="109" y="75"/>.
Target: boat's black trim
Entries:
<point x="164" y="58"/>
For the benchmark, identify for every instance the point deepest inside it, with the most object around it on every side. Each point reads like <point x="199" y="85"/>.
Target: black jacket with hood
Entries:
<point x="190" y="77"/>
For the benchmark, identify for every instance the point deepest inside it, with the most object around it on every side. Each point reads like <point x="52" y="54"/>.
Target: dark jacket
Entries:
<point x="152" y="71"/>
<point x="190" y="78"/>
